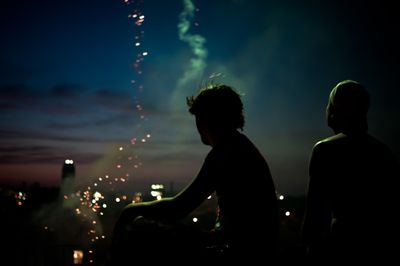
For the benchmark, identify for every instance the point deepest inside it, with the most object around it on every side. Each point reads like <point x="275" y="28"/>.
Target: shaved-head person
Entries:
<point x="350" y="201"/>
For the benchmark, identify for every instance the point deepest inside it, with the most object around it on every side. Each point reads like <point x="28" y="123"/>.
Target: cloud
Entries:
<point x="66" y="107"/>
<point x="114" y="100"/>
<point x="40" y="135"/>
<point x="15" y="92"/>
<point x="31" y="153"/>
<point x="58" y="125"/>
<point x="67" y="91"/>
<point x="31" y="149"/>
<point x="61" y="99"/>
<point x="7" y="107"/>
<point x="66" y="99"/>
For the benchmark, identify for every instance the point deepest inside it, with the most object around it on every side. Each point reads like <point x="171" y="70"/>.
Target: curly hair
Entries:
<point x="219" y="105"/>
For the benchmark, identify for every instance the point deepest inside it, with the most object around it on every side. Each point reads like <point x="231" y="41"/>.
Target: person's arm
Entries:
<point x="177" y="207"/>
<point x="150" y="210"/>
<point x="196" y="192"/>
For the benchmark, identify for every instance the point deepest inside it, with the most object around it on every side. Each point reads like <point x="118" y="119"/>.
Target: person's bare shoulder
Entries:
<point x="333" y="138"/>
<point x="330" y="146"/>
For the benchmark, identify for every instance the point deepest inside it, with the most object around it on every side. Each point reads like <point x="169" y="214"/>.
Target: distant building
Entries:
<point x="68" y="169"/>
<point x="157" y="191"/>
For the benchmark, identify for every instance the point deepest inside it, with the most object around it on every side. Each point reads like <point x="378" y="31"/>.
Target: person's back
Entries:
<point x="247" y="222"/>
<point x="235" y="170"/>
<point x="357" y="173"/>
<point x="350" y="198"/>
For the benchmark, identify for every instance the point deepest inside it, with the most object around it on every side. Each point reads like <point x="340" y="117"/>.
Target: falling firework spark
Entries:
<point x="93" y="203"/>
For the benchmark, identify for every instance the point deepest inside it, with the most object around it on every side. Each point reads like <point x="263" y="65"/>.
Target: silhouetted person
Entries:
<point x="351" y="196"/>
<point x="247" y="224"/>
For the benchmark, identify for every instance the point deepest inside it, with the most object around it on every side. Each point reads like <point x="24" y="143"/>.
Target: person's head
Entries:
<point x="218" y="109"/>
<point x="347" y="108"/>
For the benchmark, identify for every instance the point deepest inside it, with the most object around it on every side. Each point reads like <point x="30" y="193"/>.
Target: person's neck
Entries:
<point x="216" y="138"/>
<point x="351" y="132"/>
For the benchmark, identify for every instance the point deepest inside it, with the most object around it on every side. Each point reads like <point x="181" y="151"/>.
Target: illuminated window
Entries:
<point x="78" y="256"/>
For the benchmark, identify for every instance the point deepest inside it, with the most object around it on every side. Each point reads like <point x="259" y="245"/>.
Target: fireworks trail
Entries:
<point x="93" y="198"/>
<point x="89" y="207"/>
<point x="197" y="64"/>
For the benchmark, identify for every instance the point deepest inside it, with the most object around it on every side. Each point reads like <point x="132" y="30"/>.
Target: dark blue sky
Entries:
<point x="66" y="71"/>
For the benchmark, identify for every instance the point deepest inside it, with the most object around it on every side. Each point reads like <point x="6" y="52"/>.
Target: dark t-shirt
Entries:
<point x="240" y="176"/>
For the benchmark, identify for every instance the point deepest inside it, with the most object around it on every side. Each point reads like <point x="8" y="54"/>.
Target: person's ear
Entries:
<point x="330" y="116"/>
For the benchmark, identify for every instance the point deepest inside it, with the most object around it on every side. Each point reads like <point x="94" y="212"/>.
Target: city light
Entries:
<point x="157" y="186"/>
<point x="69" y="161"/>
<point x="155" y="193"/>
<point x="78" y="256"/>
<point x="20" y="197"/>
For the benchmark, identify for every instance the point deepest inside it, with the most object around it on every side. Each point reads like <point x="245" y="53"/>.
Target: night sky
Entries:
<point x="70" y="88"/>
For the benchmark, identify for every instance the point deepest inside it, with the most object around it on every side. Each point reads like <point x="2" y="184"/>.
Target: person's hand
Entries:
<point x="128" y="215"/>
<point x="122" y="223"/>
